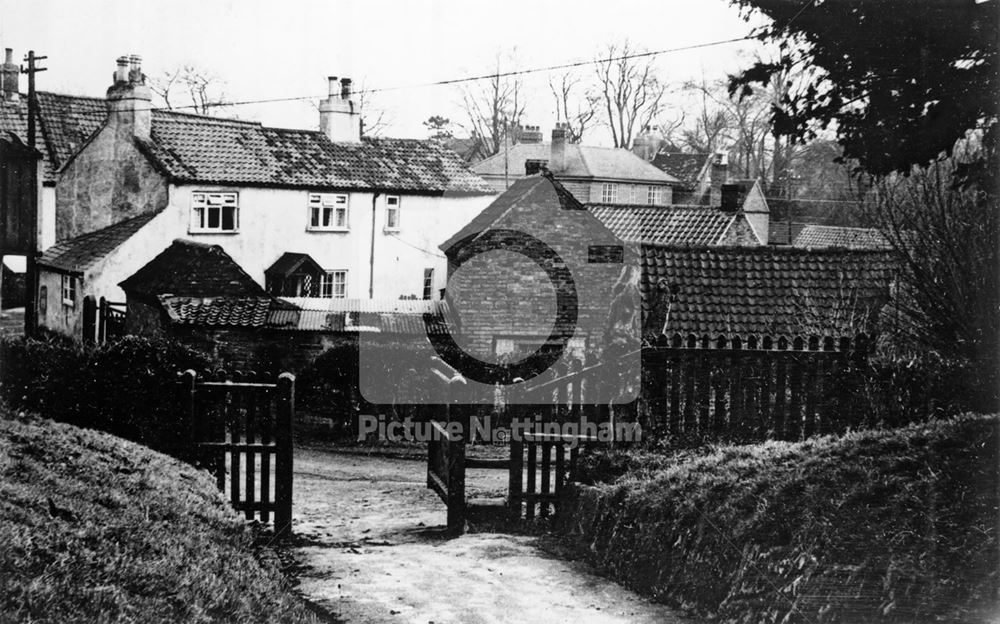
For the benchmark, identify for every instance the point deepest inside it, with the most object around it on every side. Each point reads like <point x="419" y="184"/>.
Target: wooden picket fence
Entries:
<point x="242" y="425"/>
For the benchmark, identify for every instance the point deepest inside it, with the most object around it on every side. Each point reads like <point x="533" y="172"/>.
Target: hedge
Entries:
<point x="128" y="388"/>
<point x="887" y="526"/>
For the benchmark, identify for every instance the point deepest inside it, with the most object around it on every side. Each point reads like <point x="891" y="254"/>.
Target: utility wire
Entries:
<point x="494" y="75"/>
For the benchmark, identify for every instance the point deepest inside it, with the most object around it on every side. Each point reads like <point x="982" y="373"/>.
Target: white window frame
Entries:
<point x="609" y="193"/>
<point x="393" y="203"/>
<point x="428" y="291"/>
<point x="654" y="195"/>
<point x="329" y="212"/>
<point x="68" y="290"/>
<point x="328" y="284"/>
<point x="204" y="203"/>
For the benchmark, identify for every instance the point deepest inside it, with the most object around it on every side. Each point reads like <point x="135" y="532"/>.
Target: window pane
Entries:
<point x="314" y="217"/>
<point x="341" y="217"/>
<point x="213" y="217"/>
<point x="228" y="218"/>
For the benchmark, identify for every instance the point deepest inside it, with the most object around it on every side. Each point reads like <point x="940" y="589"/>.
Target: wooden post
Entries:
<point x="102" y="321"/>
<point x="283" y="461"/>
<point x="514" y="485"/>
<point x="191" y="451"/>
<point x="89" y="319"/>
<point x="456" y="471"/>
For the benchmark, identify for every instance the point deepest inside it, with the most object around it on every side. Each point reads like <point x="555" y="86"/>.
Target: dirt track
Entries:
<point x="371" y="549"/>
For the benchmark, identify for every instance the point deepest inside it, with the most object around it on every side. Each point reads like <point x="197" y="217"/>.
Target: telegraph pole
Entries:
<point x="31" y="274"/>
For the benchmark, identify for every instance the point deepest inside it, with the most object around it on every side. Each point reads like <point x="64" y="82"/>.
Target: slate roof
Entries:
<point x="823" y="236"/>
<point x="80" y="253"/>
<point x="665" y="225"/>
<point x="762" y="291"/>
<point x="190" y="269"/>
<point x="63" y="124"/>
<point x="685" y="166"/>
<point x="193" y="148"/>
<point x="583" y="161"/>
<point x="537" y="189"/>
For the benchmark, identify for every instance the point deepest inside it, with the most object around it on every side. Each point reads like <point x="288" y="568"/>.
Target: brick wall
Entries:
<point x="498" y="297"/>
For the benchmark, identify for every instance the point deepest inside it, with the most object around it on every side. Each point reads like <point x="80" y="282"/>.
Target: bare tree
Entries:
<point x="576" y="109"/>
<point x="191" y="88"/>
<point x="630" y="93"/>
<point x="374" y="118"/>
<point x="494" y="109"/>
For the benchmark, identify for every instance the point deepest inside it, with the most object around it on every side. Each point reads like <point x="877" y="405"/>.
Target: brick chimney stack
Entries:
<point x="338" y="119"/>
<point x="718" y="176"/>
<point x="9" y="73"/>
<point x="557" y="160"/>
<point x="129" y="99"/>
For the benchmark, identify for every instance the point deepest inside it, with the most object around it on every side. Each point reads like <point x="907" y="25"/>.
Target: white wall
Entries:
<point x="47" y="219"/>
<point x="273" y="221"/>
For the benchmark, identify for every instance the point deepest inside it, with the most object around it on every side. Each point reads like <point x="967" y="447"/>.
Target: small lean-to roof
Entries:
<point x="289" y="262"/>
<point x="581" y="161"/>
<point x="76" y="255"/>
<point x="537" y="189"/>
<point x="685" y="166"/>
<point x="823" y="236"/>
<point x="190" y="269"/>
<point x="776" y="292"/>
<point x="198" y="149"/>
<point x="664" y="225"/>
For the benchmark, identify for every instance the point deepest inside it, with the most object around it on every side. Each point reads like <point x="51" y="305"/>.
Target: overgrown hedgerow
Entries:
<point x="96" y="529"/>
<point x="886" y="526"/>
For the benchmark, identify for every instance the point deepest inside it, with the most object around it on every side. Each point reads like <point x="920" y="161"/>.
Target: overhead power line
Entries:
<point x="493" y="75"/>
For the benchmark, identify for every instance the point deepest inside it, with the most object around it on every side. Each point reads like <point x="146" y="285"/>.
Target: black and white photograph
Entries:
<point x="459" y="312"/>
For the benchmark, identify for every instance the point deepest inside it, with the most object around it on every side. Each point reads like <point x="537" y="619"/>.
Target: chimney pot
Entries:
<point x="557" y="158"/>
<point x="9" y="75"/>
<point x="8" y="56"/>
<point x="345" y="88"/>
<point x="332" y="86"/>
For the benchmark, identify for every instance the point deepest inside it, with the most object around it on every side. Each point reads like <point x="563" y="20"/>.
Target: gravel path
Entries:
<point x="371" y="549"/>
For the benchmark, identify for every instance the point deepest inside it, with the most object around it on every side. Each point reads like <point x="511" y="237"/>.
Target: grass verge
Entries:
<point x="97" y="529"/>
<point x="875" y="526"/>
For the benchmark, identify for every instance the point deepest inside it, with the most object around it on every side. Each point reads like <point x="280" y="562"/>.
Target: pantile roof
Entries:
<point x="80" y="253"/>
<point x="823" y="236"/>
<point x="665" y="225"/>
<point x="193" y="148"/>
<point x="762" y="291"/>
<point x="582" y="161"/>
<point x="537" y="189"/>
<point x="685" y="166"/>
<point x="190" y="269"/>
<point x="64" y="123"/>
<point x="231" y="311"/>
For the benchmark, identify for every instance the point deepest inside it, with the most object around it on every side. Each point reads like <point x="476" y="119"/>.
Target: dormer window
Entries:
<point x="328" y="212"/>
<point x="215" y="212"/>
<point x="392" y="213"/>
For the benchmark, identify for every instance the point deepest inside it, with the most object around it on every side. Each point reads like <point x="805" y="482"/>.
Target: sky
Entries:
<point x="269" y="49"/>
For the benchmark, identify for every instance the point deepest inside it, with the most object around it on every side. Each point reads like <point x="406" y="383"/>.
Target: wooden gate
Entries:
<point x="241" y="425"/>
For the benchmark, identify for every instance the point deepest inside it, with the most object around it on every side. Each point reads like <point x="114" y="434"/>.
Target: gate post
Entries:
<point x="283" y="467"/>
<point x="89" y="319"/>
<point x="189" y="437"/>
<point x="456" y="470"/>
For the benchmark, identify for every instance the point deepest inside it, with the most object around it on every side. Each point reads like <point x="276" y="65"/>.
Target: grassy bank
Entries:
<point x="880" y="526"/>
<point x="96" y="529"/>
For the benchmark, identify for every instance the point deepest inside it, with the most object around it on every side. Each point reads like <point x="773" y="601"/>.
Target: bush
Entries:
<point x="888" y="526"/>
<point x="128" y="388"/>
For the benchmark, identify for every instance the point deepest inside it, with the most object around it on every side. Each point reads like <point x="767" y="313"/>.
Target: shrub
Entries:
<point x="128" y="387"/>
<point x="889" y="526"/>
